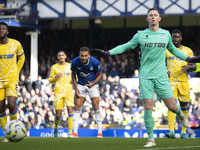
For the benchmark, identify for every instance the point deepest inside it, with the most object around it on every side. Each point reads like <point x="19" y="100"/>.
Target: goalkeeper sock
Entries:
<point x="171" y="118"/>
<point x="75" y="120"/>
<point x="13" y="115"/>
<point x="98" y="120"/>
<point x="3" y="120"/>
<point x="149" y="123"/>
<point x="70" y="123"/>
<point x="178" y="112"/>
<point x="57" y="121"/>
<point x="185" y="111"/>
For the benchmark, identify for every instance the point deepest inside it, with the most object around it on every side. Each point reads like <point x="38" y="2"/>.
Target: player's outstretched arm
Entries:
<point x="194" y="59"/>
<point x="99" y="52"/>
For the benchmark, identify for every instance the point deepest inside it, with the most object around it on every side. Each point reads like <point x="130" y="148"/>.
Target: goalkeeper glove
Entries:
<point x="99" y="52"/>
<point x="194" y="59"/>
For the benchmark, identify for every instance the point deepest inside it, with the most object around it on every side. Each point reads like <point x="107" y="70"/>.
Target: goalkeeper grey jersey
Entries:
<point x="153" y="47"/>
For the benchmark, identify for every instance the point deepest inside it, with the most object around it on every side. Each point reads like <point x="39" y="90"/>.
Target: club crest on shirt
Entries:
<point x="91" y="68"/>
<point x="162" y="36"/>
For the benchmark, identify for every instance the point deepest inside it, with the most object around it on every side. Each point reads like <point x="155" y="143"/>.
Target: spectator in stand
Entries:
<point x="114" y="72"/>
<point x="38" y="83"/>
<point x="136" y="73"/>
<point x="127" y="109"/>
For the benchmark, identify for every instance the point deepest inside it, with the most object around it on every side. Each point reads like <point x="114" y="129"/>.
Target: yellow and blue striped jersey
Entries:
<point x="174" y="64"/>
<point x="64" y="83"/>
<point x="9" y="52"/>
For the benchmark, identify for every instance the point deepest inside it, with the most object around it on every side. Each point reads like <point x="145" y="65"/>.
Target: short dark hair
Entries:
<point x="153" y="9"/>
<point x="83" y="49"/>
<point x="5" y="24"/>
<point x="61" y="51"/>
<point x="178" y="31"/>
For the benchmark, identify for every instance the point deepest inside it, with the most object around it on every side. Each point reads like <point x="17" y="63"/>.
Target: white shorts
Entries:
<point x="92" y="92"/>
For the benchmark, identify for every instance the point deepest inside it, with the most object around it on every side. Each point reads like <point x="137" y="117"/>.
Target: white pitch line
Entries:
<point x="168" y="148"/>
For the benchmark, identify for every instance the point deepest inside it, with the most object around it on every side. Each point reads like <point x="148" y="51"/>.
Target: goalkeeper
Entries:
<point x="153" y="42"/>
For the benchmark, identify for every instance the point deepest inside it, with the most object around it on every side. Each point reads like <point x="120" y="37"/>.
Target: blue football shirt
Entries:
<point x="86" y="72"/>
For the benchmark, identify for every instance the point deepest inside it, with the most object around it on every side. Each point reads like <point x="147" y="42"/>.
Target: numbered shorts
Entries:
<point x="161" y="86"/>
<point x="92" y="92"/>
<point x="181" y="90"/>
<point x="61" y="100"/>
<point x="8" y="88"/>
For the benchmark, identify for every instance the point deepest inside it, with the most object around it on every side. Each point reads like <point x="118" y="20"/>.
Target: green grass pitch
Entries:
<point x="31" y="143"/>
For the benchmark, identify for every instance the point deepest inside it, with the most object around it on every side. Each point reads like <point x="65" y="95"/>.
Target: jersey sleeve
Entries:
<point x="73" y="68"/>
<point x="133" y="43"/>
<point x="167" y="53"/>
<point x="174" y="50"/>
<point x="21" y="57"/>
<point x="190" y="53"/>
<point x="52" y="75"/>
<point x="20" y="50"/>
<point x="98" y="66"/>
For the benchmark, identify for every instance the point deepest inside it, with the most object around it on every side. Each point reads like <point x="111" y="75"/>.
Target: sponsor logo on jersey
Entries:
<point x="155" y="45"/>
<point x="174" y="58"/>
<point x="66" y="73"/>
<point x="79" y="68"/>
<point x="10" y="56"/>
<point x="84" y="74"/>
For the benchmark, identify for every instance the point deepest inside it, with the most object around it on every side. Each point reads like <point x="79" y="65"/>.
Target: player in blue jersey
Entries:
<point x="88" y="71"/>
<point x="153" y="42"/>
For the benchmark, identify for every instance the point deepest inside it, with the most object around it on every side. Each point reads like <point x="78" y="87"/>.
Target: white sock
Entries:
<point x="76" y="120"/>
<point x="98" y="121"/>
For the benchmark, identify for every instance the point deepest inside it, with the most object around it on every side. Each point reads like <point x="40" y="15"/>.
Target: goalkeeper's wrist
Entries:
<point x="187" y="59"/>
<point x="107" y="53"/>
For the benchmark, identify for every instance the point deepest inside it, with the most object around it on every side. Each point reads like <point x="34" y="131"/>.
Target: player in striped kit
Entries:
<point x="11" y="62"/>
<point x="177" y="69"/>
<point x="61" y="76"/>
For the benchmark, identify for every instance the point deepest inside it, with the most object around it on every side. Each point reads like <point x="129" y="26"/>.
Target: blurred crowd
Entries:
<point x="51" y="41"/>
<point x="120" y="106"/>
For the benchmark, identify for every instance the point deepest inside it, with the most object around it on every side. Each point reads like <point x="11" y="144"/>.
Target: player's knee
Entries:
<point x="11" y="107"/>
<point x="173" y="108"/>
<point x="77" y="108"/>
<point x="183" y="104"/>
<point x="58" y="115"/>
<point x="2" y="110"/>
<point x="96" y="106"/>
<point x="148" y="106"/>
